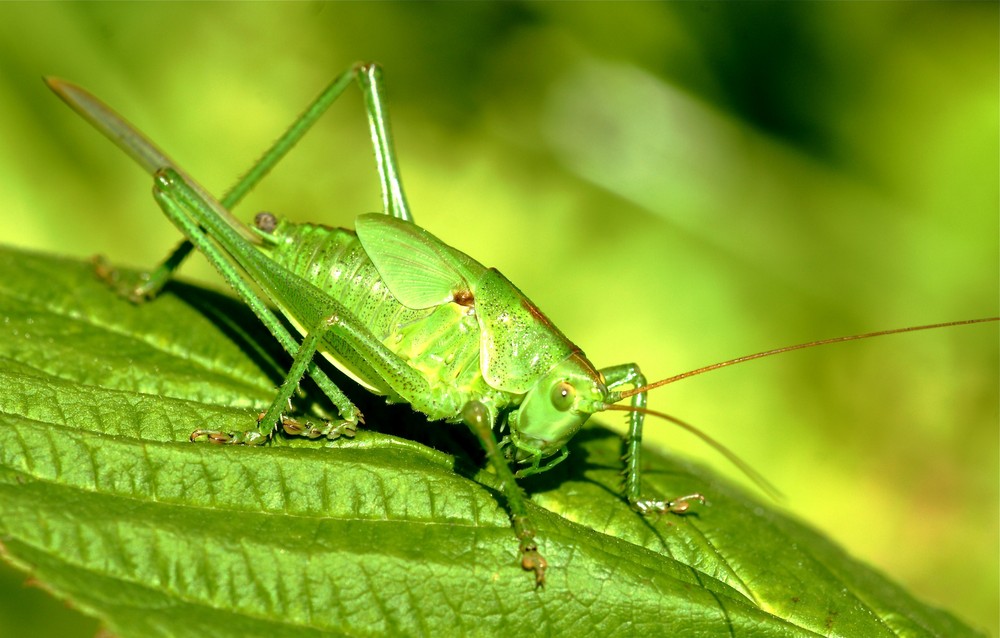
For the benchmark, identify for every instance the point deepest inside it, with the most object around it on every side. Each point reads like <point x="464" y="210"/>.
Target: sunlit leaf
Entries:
<point x="105" y="502"/>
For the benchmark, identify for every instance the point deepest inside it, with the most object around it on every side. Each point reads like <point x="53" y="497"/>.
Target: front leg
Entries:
<point x="629" y="374"/>
<point x="477" y="417"/>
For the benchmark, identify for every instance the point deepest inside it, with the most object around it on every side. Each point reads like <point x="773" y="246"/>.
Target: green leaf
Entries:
<point x="105" y="502"/>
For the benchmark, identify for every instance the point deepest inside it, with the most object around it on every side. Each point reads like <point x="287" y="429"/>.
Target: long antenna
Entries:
<point x="615" y="397"/>
<point x="742" y="465"/>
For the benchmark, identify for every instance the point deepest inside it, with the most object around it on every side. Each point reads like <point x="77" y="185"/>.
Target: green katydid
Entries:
<point x="405" y="315"/>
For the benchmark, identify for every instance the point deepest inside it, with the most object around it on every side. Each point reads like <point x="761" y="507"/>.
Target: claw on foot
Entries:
<point x="331" y="430"/>
<point x="133" y="290"/>
<point x="228" y="438"/>
<point x="104" y="270"/>
<point x="532" y="561"/>
<point x="679" y="505"/>
<point x="211" y="436"/>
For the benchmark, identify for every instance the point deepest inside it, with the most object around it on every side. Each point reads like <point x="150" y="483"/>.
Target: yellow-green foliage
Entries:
<point x="672" y="184"/>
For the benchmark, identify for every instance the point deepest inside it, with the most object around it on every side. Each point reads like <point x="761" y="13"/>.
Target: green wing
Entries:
<point x="419" y="269"/>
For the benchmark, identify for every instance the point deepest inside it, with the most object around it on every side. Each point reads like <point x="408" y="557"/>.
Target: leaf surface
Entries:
<point x="105" y="502"/>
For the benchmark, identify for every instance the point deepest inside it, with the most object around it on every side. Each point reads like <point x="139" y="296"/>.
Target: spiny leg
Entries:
<point x="369" y="77"/>
<point x="353" y="336"/>
<point x="477" y="417"/>
<point x="140" y="148"/>
<point x="179" y="203"/>
<point x="269" y="419"/>
<point x="629" y="374"/>
<point x="373" y="88"/>
<point x="191" y="211"/>
<point x="162" y="273"/>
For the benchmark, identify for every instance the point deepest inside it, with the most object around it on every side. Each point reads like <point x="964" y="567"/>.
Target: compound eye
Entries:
<point x="563" y="396"/>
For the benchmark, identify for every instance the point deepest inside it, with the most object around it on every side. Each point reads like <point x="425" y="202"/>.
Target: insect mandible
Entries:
<point x="403" y="314"/>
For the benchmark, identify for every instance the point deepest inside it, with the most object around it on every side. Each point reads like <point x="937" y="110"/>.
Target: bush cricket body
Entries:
<point x="403" y="314"/>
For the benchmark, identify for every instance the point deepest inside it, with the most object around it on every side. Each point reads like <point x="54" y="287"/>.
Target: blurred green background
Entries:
<point x="674" y="184"/>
